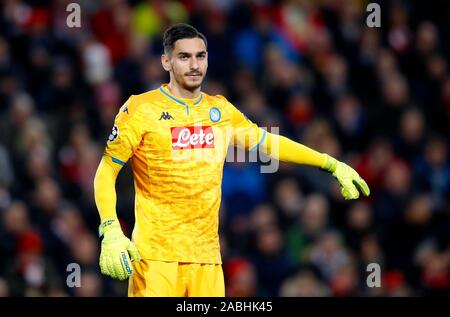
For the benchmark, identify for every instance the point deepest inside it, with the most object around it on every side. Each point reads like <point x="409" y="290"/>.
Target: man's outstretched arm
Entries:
<point x="116" y="247"/>
<point x="286" y="150"/>
<point x="249" y="136"/>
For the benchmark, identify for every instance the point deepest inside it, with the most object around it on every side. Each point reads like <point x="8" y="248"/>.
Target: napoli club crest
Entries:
<point x="214" y="114"/>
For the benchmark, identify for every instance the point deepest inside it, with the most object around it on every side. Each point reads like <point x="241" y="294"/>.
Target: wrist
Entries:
<point x="329" y="164"/>
<point x="108" y="225"/>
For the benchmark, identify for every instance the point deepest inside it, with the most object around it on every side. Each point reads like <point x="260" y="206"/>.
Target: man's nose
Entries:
<point x="194" y="63"/>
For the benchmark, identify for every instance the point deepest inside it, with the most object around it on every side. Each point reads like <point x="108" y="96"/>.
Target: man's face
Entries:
<point x="187" y="63"/>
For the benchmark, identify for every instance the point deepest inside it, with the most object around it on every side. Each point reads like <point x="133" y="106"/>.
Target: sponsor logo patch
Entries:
<point x="198" y="137"/>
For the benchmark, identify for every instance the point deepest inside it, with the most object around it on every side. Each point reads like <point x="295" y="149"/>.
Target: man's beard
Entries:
<point x="186" y="84"/>
<point x="191" y="86"/>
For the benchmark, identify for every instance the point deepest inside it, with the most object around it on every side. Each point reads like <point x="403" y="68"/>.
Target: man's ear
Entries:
<point x="165" y="61"/>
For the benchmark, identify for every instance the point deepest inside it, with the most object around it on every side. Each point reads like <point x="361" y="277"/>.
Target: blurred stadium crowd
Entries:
<point x="378" y="98"/>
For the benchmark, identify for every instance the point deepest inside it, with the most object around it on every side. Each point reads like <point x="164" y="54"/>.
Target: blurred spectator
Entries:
<point x="241" y="276"/>
<point x="433" y="265"/>
<point x="310" y="225"/>
<point x="395" y="193"/>
<point x="15" y="222"/>
<point x="395" y="284"/>
<point x="304" y="284"/>
<point x="252" y="40"/>
<point x="20" y="113"/>
<point x="263" y="216"/>
<point x="350" y="123"/>
<point x="30" y="273"/>
<point x="371" y="251"/>
<point x="408" y="231"/>
<point x="329" y="255"/>
<point x="374" y="162"/>
<point x="301" y="22"/>
<point x="400" y="35"/>
<point x="359" y="223"/>
<point x="433" y="171"/>
<point x="271" y="261"/>
<point x="96" y="61"/>
<point x="411" y="134"/>
<point x="111" y="25"/>
<point x="78" y="162"/>
<point x="345" y="281"/>
<point x="289" y="198"/>
<point x="151" y="17"/>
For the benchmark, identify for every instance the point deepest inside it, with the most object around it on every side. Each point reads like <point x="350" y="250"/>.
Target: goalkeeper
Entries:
<point x="174" y="250"/>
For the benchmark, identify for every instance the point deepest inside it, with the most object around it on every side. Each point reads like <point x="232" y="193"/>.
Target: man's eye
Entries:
<point x="201" y="57"/>
<point x="184" y="57"/>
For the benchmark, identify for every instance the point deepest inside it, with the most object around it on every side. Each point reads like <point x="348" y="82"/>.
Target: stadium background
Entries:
<point x="378" y="98"/>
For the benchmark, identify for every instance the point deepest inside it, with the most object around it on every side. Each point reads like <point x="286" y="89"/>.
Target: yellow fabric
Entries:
<point x="286" y="150"/>
<point x="178" y="190"/>
<point x="168" y="279"/>
<point x="105" y="179"/>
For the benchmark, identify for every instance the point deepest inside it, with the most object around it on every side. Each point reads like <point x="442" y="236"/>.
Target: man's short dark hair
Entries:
<point x="180" y="31"/>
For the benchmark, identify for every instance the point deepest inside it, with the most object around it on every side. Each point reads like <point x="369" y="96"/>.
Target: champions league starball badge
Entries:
<point x="114" y="134"/>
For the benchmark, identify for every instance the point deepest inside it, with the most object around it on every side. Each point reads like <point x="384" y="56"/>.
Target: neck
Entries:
<point x="179" y="91"/>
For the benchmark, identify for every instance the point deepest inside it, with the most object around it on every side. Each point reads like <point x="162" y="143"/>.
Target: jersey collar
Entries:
<point x="182" y="101"/>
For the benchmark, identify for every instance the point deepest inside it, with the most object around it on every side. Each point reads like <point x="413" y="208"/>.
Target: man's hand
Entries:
<point x="347" y="177"/>
<point x="116" y="251"/>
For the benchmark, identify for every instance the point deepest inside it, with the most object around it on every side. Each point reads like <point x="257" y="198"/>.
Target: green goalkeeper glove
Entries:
<point x="348" y="178"/>
<point x="114" y="258"/>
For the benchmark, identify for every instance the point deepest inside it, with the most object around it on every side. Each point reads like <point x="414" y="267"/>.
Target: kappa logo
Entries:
<point x="124" y="107"/>
<point x="166" y="116"/>
<point x="198" y="137"/>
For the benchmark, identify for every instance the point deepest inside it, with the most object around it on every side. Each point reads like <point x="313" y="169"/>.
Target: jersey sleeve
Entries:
<point x="126" y="134"/>
<point x="246" y="134"/>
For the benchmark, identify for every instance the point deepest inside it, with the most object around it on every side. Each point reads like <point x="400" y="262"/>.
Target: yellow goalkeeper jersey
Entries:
<point x="177" y="148"/>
